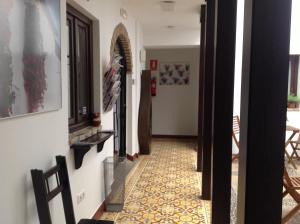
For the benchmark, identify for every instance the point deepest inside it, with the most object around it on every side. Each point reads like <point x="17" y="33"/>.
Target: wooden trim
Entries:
<point x="100" y="211"/>
<point x="132" y="157"/>
<point x="70" y="22"/>
<point x="78" y="14"/>
<point x="91" y="73"/>
<point x="225" y="36"/>
<point x="208" y="100"/>
<point x="201" y="88"/>
<point x="262" y="138"/>
<point x="176" y="136"/>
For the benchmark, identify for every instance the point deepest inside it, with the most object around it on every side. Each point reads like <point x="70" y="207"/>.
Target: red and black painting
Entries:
<point x="30" y="67"/>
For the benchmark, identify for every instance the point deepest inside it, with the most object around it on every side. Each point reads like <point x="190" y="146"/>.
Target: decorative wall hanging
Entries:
<point x="174" y="73"/>
<point x="30" y="73"/>
<point x="111" y="83"/>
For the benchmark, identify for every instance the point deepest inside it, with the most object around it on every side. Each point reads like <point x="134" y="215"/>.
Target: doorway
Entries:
<point x="120" y="106"/>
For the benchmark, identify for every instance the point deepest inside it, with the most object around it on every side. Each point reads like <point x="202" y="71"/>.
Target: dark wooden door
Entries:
<point x="120" y="108"/>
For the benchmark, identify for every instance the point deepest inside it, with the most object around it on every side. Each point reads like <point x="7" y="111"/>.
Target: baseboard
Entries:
<point x="100" y="211"/>
<point x="176" y="136"/>
<point x="132" y="158"/>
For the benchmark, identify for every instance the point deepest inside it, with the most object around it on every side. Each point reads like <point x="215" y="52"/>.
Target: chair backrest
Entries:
<point x="236" y="130"/>
<point x="286" y="179"/>
<point x="289" y="186"/>
<point x="43" y="193"/>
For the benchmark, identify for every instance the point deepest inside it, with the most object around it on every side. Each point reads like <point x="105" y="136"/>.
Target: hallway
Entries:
<point x="164" y="187"/>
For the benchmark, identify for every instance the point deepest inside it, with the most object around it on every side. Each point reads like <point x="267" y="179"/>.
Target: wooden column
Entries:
<point x="201" y="87"/>
<point x="263" y="110"/>
<point x="294" y="59"/>
<point x="208" y="101"/>
<point x="225" y="36"/>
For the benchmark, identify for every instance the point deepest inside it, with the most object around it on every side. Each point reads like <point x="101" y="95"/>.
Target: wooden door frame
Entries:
<point x="201" y="88"/>
<point x="123" y="98"/>
<point x="208" y="100"/>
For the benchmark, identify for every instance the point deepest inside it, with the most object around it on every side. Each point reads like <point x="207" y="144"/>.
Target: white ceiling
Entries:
<point x="185" y="17"/>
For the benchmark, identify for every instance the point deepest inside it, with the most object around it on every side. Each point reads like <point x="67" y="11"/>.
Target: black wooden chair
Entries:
<point x="43" y="194"/>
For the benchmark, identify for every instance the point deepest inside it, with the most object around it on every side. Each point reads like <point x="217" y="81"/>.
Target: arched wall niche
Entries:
<point x="121" y="33"/>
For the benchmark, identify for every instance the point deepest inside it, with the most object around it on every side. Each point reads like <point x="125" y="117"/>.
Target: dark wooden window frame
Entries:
<point x="74" y="19"/>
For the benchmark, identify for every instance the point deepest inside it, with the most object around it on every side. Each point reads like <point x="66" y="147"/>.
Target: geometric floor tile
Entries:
<point x="164" y="187"/>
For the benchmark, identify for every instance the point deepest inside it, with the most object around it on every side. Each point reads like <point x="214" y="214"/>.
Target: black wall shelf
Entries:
<point x="82" y="147"/>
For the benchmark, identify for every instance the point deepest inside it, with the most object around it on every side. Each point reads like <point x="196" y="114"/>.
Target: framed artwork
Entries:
<point x="30" y="57"/>
<point x="174" y="73"/>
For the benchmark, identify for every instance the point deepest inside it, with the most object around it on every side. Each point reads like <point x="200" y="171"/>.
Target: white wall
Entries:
<point x="137" y="82"/>
<point x="171" y="37"/>
<point x="175" y="108"/>
<point x="295" y="28"/>
<point x="294" y="45"/>
<point x="33" y="141"/>
<point x="238" y="57"/>
<point x="294" y="49"/>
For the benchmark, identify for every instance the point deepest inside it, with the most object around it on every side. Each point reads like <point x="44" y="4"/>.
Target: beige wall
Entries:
<point x="175" y="108"/>
<point x="295" y="31"/>
<point x="159" y="37"/>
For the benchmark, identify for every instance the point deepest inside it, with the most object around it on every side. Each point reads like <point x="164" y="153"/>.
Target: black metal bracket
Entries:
<point x="82" y="147"/>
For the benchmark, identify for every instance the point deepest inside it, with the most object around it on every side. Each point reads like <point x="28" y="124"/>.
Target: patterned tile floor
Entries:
<point x="164" y="187"/>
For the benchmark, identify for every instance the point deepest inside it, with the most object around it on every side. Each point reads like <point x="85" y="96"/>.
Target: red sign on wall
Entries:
<point x="153" y="65"/>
